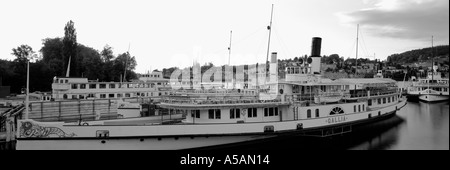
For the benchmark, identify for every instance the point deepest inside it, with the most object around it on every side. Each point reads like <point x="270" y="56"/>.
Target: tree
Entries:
<point x="22" y="53"/>
<point x="69" y="50"/>
<point x="52" y="55"/>
<point x="107" y="53"/>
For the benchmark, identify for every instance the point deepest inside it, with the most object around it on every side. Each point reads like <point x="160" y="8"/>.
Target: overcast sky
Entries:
<point x="168" y="33"/>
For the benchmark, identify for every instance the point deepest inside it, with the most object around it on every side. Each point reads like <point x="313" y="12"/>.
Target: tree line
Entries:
<point x="56" y="52"/>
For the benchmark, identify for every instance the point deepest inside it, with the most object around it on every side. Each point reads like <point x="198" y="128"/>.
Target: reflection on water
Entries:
<point x="426" y="127"/>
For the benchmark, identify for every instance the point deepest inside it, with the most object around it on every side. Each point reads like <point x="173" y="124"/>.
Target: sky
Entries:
<point x="168" y="33"/>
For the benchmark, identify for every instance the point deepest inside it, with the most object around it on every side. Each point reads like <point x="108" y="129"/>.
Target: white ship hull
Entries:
<point x="45" y="136"/>
<point x="433" y="98"/>
<point x="165" y="143"/>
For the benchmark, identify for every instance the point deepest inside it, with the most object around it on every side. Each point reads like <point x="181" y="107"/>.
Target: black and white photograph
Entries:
<point x="224" y="75"/>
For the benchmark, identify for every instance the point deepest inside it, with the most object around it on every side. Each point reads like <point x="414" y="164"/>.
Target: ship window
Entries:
<point x="103" y="86"/>
<point x="389" y="99"/>
<point x="384" y="100"/>
<point x="217" y="113"/>
<point x="65" y="96"/>
<point x="308" y="113"/>
<point x="354" y="108"/>
<point x="112" y="86"/>
<point x="67" y="81"/>
<point x="364" y="107"/>
<point x="317" y="112"/>
<point x="379" y="101"/>
<point x="127" y="94"/>
<point x="195" y="113"/>
<point x="336" y="110"/>
<point x="92" y="86"/>
<point x="102" y="96"/>
<point x="61" y="81"/>
<point x="111" y="95"/>
<point x="211" y="114"/>
<point x="266" y="112"/>
<point x="276" y="111"/>
<point x="74" y="96"/>
<point x="445" y="89"/>
<point x="369" y="102"/>
<point x="82" y="86"/>
<point x="119" y="95"/>
<point x="359" y="108"/>
<point x="235" y="113"/>
<point x="252" y="112"/>
<point x="271" y="111"/>
<point x="91" y="95"/>
<point x="74" y="86"/>
<point x="81" y="97"/>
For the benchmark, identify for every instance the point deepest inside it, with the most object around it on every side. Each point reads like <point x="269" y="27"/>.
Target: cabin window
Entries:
<point x="214" y="114"/>
<point x="74" y="86"/>
<point x="65" y="96"/>
<point x="112" y="86"/>
<point x="308" y="113"/>
<point x="354" y="108"/>
<point x="384" y="100"/>
<point x="364" y="107"/>
<point x="211" y="114"/>
<point x="445" y="89"/>
<point x="336" y="110"/>
<point x="317" y="112"/>
<point x="266" y="112"/>
<point x="217" y="113"/>
<point x="91" y="95"/>
<point x="119" y="95"/>
<point x="393" y="99"/>
<point x="111" y="95"/>
<point x="61" y="81"/>
<point x="379" y="101"/>
<point x="82" y="86"/>
<point x="359" y="108"/>
<point x="67" y="81"/>
<point x="369" y="102"/>
<point x="271" y="111"/>
<point x="276" y="111"/>
<point x="81" y="97"/>
<point x="127" y="94"/>
<point x="92" y="86"/>
<point x="195" y="113"/>
<point x="389" y="99"/>
<point x="252" y="112"/>
<point x="102" y="96"/>
<point x="103" y="86"/>
<point x="235" y="113"/>
<point x="74" y="96"/>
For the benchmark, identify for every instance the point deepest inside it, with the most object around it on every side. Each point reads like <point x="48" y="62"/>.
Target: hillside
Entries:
<point x="420" y="55"/>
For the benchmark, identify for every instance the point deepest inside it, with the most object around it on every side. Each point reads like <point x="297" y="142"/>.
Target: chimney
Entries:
<point x="1" y="81"/>
<point x="315" y="55"/>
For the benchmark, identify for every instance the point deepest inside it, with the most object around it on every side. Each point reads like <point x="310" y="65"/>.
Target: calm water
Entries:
<point x="425" y="127"/>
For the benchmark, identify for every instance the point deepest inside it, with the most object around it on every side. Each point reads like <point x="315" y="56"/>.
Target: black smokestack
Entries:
<point x="316" y="45"/>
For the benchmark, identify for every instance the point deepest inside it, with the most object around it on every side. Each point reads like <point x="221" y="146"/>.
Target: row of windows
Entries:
<point x="113" y="86"/>
<point x="112" y="95"/>
<point x="382" y="100"/>
<point x="271" y="111"/>
<point x="236" y="113"/>
<point x="359" y="108"/>
<point x="308" y="113"/>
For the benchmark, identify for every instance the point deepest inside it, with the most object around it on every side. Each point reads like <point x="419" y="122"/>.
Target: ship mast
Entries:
<point x="268" y="44"/>
<point x="357" y="40"/>
<point x="126" y="64"/>
<point x="229" y="48"/>
<point x="432" y="58"/>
